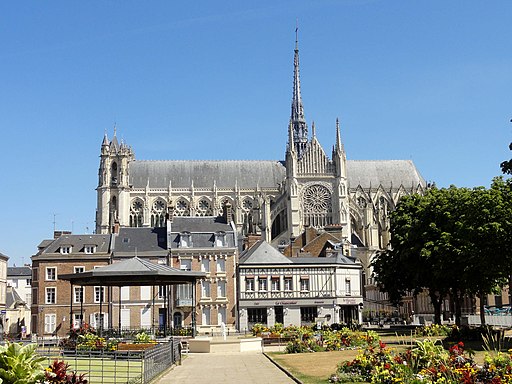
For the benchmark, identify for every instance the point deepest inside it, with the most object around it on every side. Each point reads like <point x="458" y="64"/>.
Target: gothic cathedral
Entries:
<point x="278" y="200"/>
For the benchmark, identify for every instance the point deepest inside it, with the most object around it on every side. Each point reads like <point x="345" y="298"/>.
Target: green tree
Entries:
<point x="446" y="242"/>
<point x="506" y="166"/>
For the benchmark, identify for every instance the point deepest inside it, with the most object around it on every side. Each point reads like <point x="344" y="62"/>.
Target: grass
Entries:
<point x="315" y="368"/>
<point x="105" y="371"/>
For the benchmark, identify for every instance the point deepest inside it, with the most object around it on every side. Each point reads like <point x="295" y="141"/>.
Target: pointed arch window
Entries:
<point x="204" y="207"/>
<point x="182" y="208"/>
<point x="113" y="174"/>
<point x="158" y="213"/>
<point x="136" y="213"/>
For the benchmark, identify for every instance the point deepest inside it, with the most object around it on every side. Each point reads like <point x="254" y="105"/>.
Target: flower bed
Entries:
<point x="426" y="362"/>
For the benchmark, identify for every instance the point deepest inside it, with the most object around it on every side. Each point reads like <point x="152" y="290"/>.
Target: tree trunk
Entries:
<point x="458" y="310"/>
<point x="436" y="303"/>
<point x="481" y="296"/>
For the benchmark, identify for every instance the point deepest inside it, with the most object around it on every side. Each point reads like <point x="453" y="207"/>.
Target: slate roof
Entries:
<point x="141" y="241"/>
<point x="3" y="256"/>
<point x="316" y="245"/>
<point x="265" y="173"/>
<point x="133" y="271"/>
<point x="208" y="224"/>
<point x="338" y="259"/>
<point x="263" y="253"/>
<point x="389" y="173"/>
<point x="12" y="298"/>
<point x="203" y="174"/>
<point x="102" y="243"/>
<point x="19" y="271"/>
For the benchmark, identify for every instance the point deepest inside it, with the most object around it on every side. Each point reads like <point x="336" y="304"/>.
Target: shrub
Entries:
<point x="57" y="373"/>
<point x="20" y="364"/>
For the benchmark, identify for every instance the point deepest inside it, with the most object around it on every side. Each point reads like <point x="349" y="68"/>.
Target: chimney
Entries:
<point x="57" y="234"/>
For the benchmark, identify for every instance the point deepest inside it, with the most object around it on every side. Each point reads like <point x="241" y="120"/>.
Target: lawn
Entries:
<point x="105" y="371"/>
<point x="315" y="368"/>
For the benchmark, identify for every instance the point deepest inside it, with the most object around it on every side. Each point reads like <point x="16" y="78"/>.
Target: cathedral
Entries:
<point x="277" y="200"/>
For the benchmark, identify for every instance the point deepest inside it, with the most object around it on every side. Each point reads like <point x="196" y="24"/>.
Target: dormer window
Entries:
<point x="66" y="249"/>
<point x="220" y="239"/>
<point x="185" y="240"/>
<point x="89" y="249"/>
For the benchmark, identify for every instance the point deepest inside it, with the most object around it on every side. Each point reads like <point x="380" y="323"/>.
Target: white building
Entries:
<point x="18" y="300"/>
<point x="274" y="288"/>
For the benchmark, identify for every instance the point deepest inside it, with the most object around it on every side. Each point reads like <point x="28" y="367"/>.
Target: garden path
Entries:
<point x="226" y="367"/>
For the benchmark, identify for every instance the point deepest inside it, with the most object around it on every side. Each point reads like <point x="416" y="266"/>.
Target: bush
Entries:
<point x="20" y="364"/>
<point x="57" y="373"/>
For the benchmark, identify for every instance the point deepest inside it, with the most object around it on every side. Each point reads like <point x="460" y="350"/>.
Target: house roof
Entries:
<point x="315" y="246"/>
<point x="209" y="224"/>
<point x="19" y="271"/>
<point x="12" y="298"/>
<point x="263" y="253"/>
<point x="134" y="271"/>
<point x="140" y="241"/>
<point x="102" y="243"/>
<point x="3" y="256"/>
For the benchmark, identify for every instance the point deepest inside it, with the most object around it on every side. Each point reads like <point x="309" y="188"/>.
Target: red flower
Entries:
<point x="382" y="345"/>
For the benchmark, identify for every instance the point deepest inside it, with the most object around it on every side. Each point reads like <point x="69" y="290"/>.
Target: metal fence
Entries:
<point x="109" y="367"/>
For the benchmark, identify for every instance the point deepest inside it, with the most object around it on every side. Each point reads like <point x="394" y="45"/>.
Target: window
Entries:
<point x="34" y="295"/>
<point x="221" y="289"/>
<point x="220" y="239"/>
<point x="304" y="284"/>
<point x="205" y="265"/>
<point x="99" y="294"/>
<point x="276" y="286"/>
<point x="257" y="315"/>
<point x="185" y="292"/>
<point x="249" y="284"/>
<point x="186" y="265"/>
<point x="78" y="295"/>
<point x="51" y="273"/>
<point x="221" y="265"/>
<point x="28" y="282"/>
<point x="205" y="316"/>
<point x="308" y="314"/>
<point x="221" y="315"/>
<point x="77" y="320"/>
<point x="263" y="283"/>
<point x="205" y="288"/>
<point x="347" y="287"/>
<point x="34" y="274"/>
<point x="65" y="249"/>
<point x="185" y="240"/>
<point x="51" y="295"/>
<point x="125" y="293"/>
<point x="89" y="249"/>
<point x="50" y="321"/>
<point x="288" y="284"/>
<point x="162" y="291"/>
<point x="79" y="269"/>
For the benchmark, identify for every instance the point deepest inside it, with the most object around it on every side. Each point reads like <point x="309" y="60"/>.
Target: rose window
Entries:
<point x="137" y="206"/>
<point x="317" y="199"/>
<point x="181" y="205"/>
<point x="159" y="205"/>
<point x="203" y="205"/>
<point x="247" y="204"/>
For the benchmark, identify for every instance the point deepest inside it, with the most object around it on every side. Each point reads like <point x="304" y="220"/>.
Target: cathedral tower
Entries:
<point x="113" y="187"/>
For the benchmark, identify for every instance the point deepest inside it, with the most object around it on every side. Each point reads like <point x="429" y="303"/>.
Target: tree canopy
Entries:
<point x="451" y="241"/>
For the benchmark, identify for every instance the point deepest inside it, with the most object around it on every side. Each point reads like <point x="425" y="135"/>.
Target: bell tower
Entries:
<point x="113" y="187"/>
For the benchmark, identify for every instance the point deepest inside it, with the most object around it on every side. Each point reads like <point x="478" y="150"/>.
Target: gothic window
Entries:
<point x="113" y="173"/>
<point x="361" y="202"/>
<point x="136" y="213"/>
<point x="247" y="204"/>
<point x="158" y="213"/>
<point x="204" y="208"/>
<point x="182" y="208"/>
<point x="317" y="206"/>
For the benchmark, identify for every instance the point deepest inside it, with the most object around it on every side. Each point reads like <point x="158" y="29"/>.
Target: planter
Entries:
<point x="134" y="347"/>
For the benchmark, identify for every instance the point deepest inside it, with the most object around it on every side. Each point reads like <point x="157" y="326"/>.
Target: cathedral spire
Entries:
<point x="339" y="145"/>
<point x="300" y="129"/>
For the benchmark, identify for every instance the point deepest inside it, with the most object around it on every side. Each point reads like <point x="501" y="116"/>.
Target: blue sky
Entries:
<point x="429" y="81"/>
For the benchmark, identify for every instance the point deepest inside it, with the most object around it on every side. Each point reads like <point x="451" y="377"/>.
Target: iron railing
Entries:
<point x="120" y="366"/>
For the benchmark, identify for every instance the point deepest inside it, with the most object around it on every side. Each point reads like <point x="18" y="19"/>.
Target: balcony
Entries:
<point x="185" y="302"/>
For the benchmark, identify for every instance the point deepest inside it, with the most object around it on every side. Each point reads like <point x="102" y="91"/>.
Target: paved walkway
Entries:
<point x="226" y="367"/>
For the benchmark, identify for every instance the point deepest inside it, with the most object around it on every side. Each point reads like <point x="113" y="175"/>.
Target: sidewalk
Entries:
<point x="226" y="367"/>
